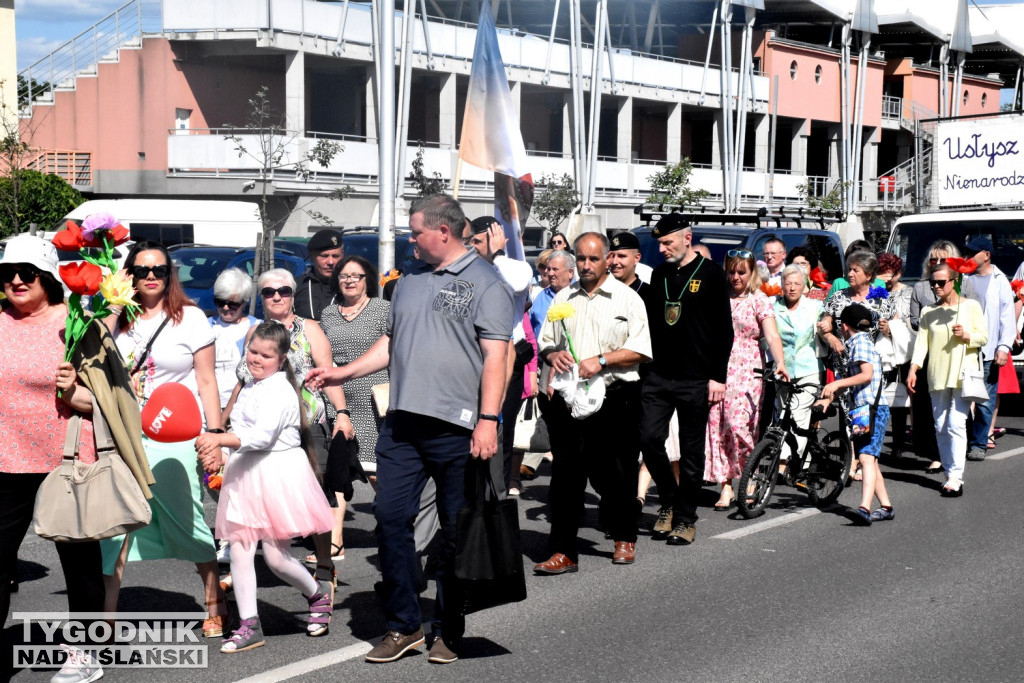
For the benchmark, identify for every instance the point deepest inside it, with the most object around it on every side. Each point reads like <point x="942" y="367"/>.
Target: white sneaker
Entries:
<point x="224" y="553"/>
<point x="80" y="667"/>
<point x="513" y="491"/>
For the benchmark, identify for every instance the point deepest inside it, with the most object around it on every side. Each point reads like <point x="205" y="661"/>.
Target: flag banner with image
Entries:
<point x="491" y="138"/>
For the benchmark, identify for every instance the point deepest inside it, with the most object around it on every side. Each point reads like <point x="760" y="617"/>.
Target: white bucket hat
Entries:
<point x="34" y="250"/>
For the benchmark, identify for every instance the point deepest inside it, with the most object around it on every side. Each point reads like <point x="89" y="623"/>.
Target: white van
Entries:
<point x="180" y="221"/>
<point x="912" y="235"/>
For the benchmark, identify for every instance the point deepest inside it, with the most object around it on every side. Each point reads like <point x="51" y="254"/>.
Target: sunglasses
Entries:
<point x="25" y="271"/>
<point x="934" y="261"/>
<point x="159" y="272"/>
<point x="741" y="253"/>
<point x="351" y="277"/>
<point x="269" y="292"/>
<point x="938" y="283"/>
<point x="231" y="305"/>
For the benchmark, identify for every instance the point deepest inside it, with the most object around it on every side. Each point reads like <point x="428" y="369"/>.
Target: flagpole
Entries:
<point x="458" y="179"/>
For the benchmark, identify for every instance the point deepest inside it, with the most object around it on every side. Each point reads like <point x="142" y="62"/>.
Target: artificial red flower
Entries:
<point x="1016" y="286"/>
<point x="818" y="278"/>
<point x="70" y="238"/>
<point x="82" y="278"/>
<point x="771" y="290"/>
<point x="214" y="481"/>
<point x="962" y="266"/>
<point x="387" y="277"/>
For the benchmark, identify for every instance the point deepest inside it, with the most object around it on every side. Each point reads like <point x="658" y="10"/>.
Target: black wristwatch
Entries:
<point x="488" y="416"/>
<point x="218" y="430"/>
<point x="602" y="360"/>
<point x="343" y="411"/>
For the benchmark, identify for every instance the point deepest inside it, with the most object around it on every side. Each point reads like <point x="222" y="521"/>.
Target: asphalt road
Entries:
<point x="796" y="595"/>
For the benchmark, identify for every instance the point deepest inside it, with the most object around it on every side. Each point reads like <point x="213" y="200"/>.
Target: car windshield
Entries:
<point x="198" y="268"/>
<point x="717" y="244"/>
<point x="911" y="242"/>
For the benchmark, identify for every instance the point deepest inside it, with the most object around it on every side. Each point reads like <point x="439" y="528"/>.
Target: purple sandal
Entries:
<point x="321" y="606"/>
<point x="247" y="636"/>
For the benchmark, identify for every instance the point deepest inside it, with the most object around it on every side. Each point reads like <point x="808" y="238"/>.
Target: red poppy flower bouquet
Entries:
<point x="961" y="267"/>
<point x="94" y="241"/>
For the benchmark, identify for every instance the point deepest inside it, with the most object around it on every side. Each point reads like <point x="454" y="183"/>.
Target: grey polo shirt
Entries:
<point x="436" y="322"/>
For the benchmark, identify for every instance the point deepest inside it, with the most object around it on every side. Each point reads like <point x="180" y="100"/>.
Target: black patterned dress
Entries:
<point x="349" y="340"/>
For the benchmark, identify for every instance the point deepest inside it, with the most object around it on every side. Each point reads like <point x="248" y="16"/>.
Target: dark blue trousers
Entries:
<point x="410" y="449"/>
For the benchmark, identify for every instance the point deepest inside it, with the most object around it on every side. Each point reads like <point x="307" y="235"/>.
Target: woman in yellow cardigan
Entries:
<point x="951" y="335"/>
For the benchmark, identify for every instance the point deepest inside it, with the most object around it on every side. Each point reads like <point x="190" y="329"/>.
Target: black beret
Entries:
<point x="482" y="224"/>
<point x="669" y="224"/>
<point x="325" y="239"/>
<point x="624" y="240"/>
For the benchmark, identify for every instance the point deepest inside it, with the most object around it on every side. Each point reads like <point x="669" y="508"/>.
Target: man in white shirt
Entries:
<point x="775" y="259"/>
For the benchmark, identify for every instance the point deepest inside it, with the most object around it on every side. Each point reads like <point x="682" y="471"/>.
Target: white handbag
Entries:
<point x="972" y="383"/>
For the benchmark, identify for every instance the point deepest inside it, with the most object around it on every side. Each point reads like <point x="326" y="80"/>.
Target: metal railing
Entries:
<point x="892" y="107"/>
<point x="122" y="28"/>
<point x="73" y="166"/>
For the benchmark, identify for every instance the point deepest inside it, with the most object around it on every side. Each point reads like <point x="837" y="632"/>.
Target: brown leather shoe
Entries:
<point x="625" y="553"/>
<point x="556" y="564"/>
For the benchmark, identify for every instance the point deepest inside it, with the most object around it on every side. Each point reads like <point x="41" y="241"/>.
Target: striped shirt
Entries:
<point x="613" y="318"/>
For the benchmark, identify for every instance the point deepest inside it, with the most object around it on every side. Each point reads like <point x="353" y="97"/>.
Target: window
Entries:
<point x="792" y="69"/>
<point x="817" y="74"/>
<point x="167" y="233"/>
<point x="965" y="98"/>
<point x="984" y="99"/>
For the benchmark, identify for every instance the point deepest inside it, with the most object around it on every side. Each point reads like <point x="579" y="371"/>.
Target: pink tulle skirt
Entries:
<point x="271" y="495"/>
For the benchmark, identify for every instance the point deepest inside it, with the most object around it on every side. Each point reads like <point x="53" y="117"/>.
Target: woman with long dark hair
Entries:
<point x="169" y="341"/>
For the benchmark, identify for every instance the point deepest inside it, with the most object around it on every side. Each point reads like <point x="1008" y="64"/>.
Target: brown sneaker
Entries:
<point x="440" y="653"/>
<point x="393" y="646"/>
<point x="682" y="534"/>
<point x="663" y="526"/>
<point x="625" y="553"/>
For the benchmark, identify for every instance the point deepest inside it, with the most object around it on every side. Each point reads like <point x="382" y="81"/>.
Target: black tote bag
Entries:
<point x="488" y="553"/>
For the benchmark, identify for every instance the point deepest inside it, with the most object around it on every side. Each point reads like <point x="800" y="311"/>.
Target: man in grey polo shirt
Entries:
<point x="445" y="348"/>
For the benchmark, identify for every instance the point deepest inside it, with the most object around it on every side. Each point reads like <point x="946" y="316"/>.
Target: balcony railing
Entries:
<point x="74" y="167"/>
<point x="892" y="107"/>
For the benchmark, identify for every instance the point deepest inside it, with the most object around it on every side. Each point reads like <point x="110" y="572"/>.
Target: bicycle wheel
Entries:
<point x="758" y="478"/>
<point x="829" y="467"/>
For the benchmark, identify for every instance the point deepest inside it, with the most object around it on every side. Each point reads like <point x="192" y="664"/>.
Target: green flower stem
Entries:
<point x="569" y="339"/>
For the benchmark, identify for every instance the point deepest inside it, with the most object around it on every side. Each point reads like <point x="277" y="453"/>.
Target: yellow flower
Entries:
<point x="560" y="312"/>
<point x="117" y="290"/>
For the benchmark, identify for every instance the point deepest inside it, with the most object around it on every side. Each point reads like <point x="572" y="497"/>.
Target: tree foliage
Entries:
<point x="265" y="140"/>
<point x="672" y="185"/>
<point x="833" y="199"/>
<point x="556" y="201"/>
<point x="43" y="199"/>
<point x="426" y="185"/>
<point x="26" y="94"/>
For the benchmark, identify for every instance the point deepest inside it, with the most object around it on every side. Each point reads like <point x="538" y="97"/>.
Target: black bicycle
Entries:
<point x="820" y="470"/>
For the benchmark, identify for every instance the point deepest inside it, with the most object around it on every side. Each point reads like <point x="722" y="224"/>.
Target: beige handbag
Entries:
<point x="89" y="502"/>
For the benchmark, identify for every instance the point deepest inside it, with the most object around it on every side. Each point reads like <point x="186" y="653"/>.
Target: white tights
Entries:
<point x="280" y="561"/>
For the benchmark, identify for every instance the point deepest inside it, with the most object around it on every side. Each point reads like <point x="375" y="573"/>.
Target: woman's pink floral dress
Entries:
<point x="732" y="423"/>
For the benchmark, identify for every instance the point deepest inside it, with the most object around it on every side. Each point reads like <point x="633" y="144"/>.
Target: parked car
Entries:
<point x="912" y="235"/>
<point x="199" y="266"/>
<point x="364" y="241"/>
<point x="296" y="245"/>
<point x="722" y="232"/>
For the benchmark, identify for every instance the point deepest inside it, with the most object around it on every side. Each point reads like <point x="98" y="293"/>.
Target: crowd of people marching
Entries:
<point x="640" y="376"/>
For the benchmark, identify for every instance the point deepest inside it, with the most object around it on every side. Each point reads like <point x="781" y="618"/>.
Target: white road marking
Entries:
<point x="310" y="665"/>
<point x="1007" y="454"/>
<point x="786" y="518"/>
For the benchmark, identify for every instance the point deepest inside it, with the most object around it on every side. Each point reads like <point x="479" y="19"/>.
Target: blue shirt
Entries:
<point x="860" y="349"/>
<point x="539" y="310"/>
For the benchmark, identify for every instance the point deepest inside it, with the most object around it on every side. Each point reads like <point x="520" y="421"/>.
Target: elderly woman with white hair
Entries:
<point x="796" y="318"/>
<point x="309" y="348"/>
<point x="231" y="293"/>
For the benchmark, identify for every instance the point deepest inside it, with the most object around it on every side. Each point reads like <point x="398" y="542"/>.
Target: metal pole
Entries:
<point x="707" y="57"/>
<point x="771" y="141"/>
<point x="551" y="43"/>
<point x="741" y="133"/>
<point x="405" y="69"/>
<point x="385" y="139"/>
<point x="426" y="34"/>
<point x="611" y="58"/>
<point x="340" y="46"/>
<point x="576" y="77"/>
<point x="917" y="165"/>
<point x="595" y="103"/>
<point x="727" y="129"/>
<point x="858" y="120"/>
<point x="1016" y="90"/>
<point x="844" y="114"/>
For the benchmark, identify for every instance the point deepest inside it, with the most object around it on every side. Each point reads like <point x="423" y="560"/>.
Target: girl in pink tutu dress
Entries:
<point x="270" y="492"/>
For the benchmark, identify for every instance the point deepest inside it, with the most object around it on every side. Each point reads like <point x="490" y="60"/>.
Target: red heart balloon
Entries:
<point x="172" y="414"/>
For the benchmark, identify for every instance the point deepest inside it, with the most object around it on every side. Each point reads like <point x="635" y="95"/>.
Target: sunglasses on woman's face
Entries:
<point x="938" y="283"/>
<point x="26" y="272"/>
<point x="269" y="292"/>
<point x="159" y="272"/>
<point x="226" y="303"/>
<point x="934" y="260"/>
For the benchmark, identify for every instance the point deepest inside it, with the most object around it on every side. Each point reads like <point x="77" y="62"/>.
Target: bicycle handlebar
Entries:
<point x="768" y="375"/>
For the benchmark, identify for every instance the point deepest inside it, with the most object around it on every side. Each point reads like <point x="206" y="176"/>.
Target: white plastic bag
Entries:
<point x="583" y="396"/>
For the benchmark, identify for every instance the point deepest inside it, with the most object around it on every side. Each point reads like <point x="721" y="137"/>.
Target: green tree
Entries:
<point x="831" y="200"/>
<point x="265" y="140"/>
<point x="426" y="185"/>
<point x="556" y="201"/>
<point x="40" y="198"/>
<point x="672" y="185"/>
<point x="27" y="94"/>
